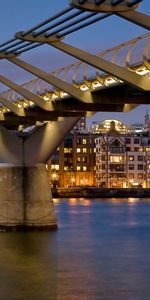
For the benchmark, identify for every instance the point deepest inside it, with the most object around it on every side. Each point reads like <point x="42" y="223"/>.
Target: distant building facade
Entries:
<point x="115" y="156"/>
<point x="73" y="164"/>
<point x="122" y="160"/>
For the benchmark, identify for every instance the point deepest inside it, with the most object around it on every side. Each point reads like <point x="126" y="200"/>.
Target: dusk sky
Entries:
<point x="19" y="15"/>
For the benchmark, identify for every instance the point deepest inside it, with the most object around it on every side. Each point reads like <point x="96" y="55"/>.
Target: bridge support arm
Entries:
<point x="44" y="141"/>
<point x="136" y="18"/>
<point x="11" y="150"/>
<point x="125" y="75"/>
<point x="60" y="84"/>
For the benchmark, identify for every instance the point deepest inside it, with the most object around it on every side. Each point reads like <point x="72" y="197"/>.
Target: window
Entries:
<point x="67" y="150"/>
<point x="131" y="167"/>
<point x="116" y="158"/>
<point x="140" y="167"/>
<point x="78" y="141"/>
<point x="131" y="175"/>
<point x="131" y="157"/>
<point x="67" y="168"/>
<point x="78" y="168"/>
<point x="55" y="167"/>
<point x="84" y="141"/>
<point x="140" y="157"/>
<point x="84" y="150"/>
<point x="128" y="141"/>
<point x="140" y="176"/>
<point x="103" y="157"/>
<point x="84" y="168"/>
<point x="68" y="142"/>
<point x="103" y="167"/>
<point x="78" y="150"/>
<point x="84" y="159"/>
<point x="78" y="159"/>
<point x="136" y="141"/>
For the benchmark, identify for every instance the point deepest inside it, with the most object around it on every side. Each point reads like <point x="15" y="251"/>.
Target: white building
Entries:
<point x="122" y="160"/>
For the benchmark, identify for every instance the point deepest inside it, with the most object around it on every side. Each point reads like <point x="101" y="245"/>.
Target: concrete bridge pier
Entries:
<point x="25" y="198"/>
<point x="25" y="195"/>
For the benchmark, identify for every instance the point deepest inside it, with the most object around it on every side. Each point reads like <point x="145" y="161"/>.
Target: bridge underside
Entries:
<point x="118" y="98"/>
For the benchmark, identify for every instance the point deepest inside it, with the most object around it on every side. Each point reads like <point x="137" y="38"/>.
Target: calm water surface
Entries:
<point x="100" y="252"/>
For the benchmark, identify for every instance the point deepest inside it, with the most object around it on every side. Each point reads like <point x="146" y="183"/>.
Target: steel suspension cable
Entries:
<point x="26" y="43"/>
<point x="11" y="46"/>
<point x="63" y="12"/>
<point x="84" y="25"/>
<point x="35" y="45"/>
<point x="79" y="12"/>
<point x="71" y="24"/>
<point x="8" y="42"/>
<point x="69" y="31"/>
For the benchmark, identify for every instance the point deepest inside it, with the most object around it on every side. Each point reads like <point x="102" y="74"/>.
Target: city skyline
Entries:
<point x="18" y="16"/>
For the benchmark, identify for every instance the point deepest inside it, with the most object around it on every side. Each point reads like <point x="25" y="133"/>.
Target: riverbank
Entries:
<point x="94" y="192"/>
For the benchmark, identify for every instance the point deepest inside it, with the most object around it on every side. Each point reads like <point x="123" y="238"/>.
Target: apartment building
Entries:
<point x="122" y="160"/>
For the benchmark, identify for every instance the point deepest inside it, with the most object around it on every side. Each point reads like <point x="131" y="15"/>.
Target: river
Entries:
<point x="100" y="252"/>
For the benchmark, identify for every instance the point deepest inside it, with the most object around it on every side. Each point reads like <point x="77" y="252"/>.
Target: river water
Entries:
<point x="100" y="252"/>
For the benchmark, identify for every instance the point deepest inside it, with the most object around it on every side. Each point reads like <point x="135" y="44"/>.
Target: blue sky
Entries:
<point x="19" y="15"/>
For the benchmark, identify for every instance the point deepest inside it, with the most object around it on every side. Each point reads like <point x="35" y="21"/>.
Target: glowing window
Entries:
<point x="67" y="150"/>
<point x="84" y="168"/>
<point x="78" y="150"/>
<point x="116" y="158"/>
<point x="55" y="167"/>
<point x="84" y="150"/>
<point x="78" y="168"/>
<point x="131" y="157"/>
<point x="84" y="141"/>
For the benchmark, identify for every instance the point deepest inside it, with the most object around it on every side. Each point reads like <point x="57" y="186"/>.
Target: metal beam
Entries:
<point x="40" y="145"/>
<point x="14" y="108"/>
<point x="61" y="84"/>
<point x="136" y="18"/>
<point x="10" y="147"/>
<point x="122" y="73"/>
<point x="25" y="93"/>
<point x="32" y="117"/>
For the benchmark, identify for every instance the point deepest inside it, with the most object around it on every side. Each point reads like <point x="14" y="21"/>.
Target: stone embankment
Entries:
<point x="94" y="192"/>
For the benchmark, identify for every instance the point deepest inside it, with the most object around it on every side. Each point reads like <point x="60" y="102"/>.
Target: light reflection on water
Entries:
<point x="100" y="252"/>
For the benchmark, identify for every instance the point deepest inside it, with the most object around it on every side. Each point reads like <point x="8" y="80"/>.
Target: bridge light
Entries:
<point x="54" y="97"/>
<point x="46" y="98"/>
<point x="109" y="81"/>
<point x="98" y="2"/>
<point x="84" y="87"/>
<point x="133" y="2"/>
<point x="19" y="105"/>
<point x="142" y="71"/>
<point x="116" y="2"/>
<point x="96" y="84"/>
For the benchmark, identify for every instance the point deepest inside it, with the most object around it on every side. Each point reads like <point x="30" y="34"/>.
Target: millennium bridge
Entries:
<point x="116" y="79"/>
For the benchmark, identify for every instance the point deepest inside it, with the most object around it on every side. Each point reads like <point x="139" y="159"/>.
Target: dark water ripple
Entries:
<point x="100" y="252"/>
